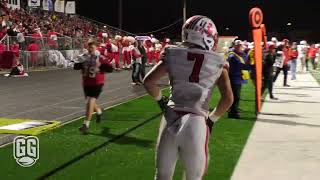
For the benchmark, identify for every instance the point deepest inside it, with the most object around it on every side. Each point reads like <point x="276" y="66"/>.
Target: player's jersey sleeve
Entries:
<point x="164" y="53"/>
<point x="193" y="74"/>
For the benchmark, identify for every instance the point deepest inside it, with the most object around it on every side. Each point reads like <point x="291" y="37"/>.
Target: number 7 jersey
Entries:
<point x="193" y="74"/>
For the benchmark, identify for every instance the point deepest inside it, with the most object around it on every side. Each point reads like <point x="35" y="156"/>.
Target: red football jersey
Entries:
<point x="51" y="36"/>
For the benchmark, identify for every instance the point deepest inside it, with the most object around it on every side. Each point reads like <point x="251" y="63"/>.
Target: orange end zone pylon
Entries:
<point x="259" y="35"/>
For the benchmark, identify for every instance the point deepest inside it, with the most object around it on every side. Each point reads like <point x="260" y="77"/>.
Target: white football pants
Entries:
<point x="184" y="136"/>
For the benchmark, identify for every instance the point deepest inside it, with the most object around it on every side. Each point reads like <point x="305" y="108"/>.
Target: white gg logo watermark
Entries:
<point x="26" y="150"/>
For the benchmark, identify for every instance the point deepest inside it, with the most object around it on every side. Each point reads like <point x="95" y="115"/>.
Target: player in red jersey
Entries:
<point x="92" y="68"/>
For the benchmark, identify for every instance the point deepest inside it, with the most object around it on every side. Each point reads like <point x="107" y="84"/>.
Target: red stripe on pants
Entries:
<point x="206" y="149"/>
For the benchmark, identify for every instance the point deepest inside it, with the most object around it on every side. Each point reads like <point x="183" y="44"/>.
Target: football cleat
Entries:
<point x="84" y="129"/>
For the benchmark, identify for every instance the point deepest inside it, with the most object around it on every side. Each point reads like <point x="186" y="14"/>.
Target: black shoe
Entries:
<point x="286" y="85"/>
<point x="98" y="117"/>
<point x="84" y="129"/>
<point x="234" y="116"/>
<point x="273" y="98"/>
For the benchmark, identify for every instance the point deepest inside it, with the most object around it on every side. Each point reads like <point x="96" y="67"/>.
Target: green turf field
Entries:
<point x="122" y="147"/>
<point x="316" y="75"/>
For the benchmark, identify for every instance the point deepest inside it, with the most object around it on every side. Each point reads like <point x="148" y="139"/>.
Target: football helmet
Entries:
<point x="274" y="39"/>
<point x="200" y="30"/>
<point x="303" y="42"/>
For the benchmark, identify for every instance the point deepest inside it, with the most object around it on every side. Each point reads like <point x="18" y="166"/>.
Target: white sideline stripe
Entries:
<point x="76" y="119"/>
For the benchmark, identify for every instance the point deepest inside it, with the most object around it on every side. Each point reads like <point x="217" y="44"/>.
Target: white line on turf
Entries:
<point x="76" y="119"/>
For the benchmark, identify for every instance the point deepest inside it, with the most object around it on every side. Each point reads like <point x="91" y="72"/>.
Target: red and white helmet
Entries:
<point x="200" y="30"/>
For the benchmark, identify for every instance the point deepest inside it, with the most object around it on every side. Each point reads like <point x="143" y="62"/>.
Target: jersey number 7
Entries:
<point x="198" y="58"/>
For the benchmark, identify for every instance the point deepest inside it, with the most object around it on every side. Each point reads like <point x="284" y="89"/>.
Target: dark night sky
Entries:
<point x="148" y="15"/>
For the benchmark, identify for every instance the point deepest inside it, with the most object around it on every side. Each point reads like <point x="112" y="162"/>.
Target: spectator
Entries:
<point x="2" y="47"/>
<point x="302" y="54"/>
<point x="149" y="52"/>
<point x="21" y="40"/>
<point x="3" y="32"/>
<point x="284" y="52"/>
<point x="126" y="51"/>
<point x="33" y="49"/>
<point x="238" y="73"/>
<point x="15" y="48"/>
<point x="18" y="70"/>
<point x="136" y="65"/>
<point x="113" y="54"/>
<point x="294" y="56"/>
<point x="52" y="39"/>
<point x="267" y="68"/>
<point x="312" y="57"/>
<point x="143" y="59"/>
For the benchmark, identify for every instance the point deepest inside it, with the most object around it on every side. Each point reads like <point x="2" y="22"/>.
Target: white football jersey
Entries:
<point x="193" y="74"/>
<point x="302" y="50"/>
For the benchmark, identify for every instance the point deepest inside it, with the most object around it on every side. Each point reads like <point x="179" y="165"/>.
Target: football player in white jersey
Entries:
<point x="302" y="54"/>
<point x="194" y="69"/>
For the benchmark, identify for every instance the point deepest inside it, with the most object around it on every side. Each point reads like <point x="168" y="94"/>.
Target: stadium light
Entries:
<point x="289" y="24"/>
<point x="227" y="29"/>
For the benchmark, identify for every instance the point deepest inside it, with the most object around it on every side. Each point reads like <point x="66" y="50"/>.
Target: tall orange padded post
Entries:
<point x="258" y="31"/>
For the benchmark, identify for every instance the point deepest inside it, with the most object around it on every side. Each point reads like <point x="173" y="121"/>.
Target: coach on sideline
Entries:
<point x="238" y="73"/>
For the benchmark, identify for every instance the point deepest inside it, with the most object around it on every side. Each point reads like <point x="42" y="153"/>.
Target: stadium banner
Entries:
<point x="70" y="7"/>
<point x="45" y="5"/>
<point x="33" y="3"/>
<point x="51" y="8"/>
<point x="59" y="6"/>
<point x="13" y="4"/>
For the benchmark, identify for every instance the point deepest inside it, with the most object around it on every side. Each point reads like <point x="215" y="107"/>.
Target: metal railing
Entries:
<point x="48" y="59"/>
<point x="45" y="43"/>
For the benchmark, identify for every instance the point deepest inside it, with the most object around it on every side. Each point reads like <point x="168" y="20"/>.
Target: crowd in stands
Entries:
<point x="32" y="31"/>
<point x="48" y="29"/>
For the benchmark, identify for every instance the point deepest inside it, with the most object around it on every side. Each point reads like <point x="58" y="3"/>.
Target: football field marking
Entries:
<point x="81" y="117"/>
<point x="87" y="153"/>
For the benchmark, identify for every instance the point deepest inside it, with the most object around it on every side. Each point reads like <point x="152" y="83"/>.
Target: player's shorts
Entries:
<point x="92" y="91"/>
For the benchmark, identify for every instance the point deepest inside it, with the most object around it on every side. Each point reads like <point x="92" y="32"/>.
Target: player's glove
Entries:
<point x="163" y="103"/>
<point x="211" y="120"/>
<point x="210" y="124"/>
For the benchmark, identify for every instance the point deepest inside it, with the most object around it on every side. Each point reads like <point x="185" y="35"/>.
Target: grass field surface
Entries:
<point x="122" y="147"/>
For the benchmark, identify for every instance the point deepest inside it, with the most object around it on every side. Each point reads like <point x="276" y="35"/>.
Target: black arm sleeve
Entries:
<point x="77" y="66"/>
<point x="106" y="68"/>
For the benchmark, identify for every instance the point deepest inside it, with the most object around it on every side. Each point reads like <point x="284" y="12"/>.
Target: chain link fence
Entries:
<point x="49" y="53"/>
<point x="48" y="59"/>
<point x="35" y="60"/>
<point x="45" y="43"/>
